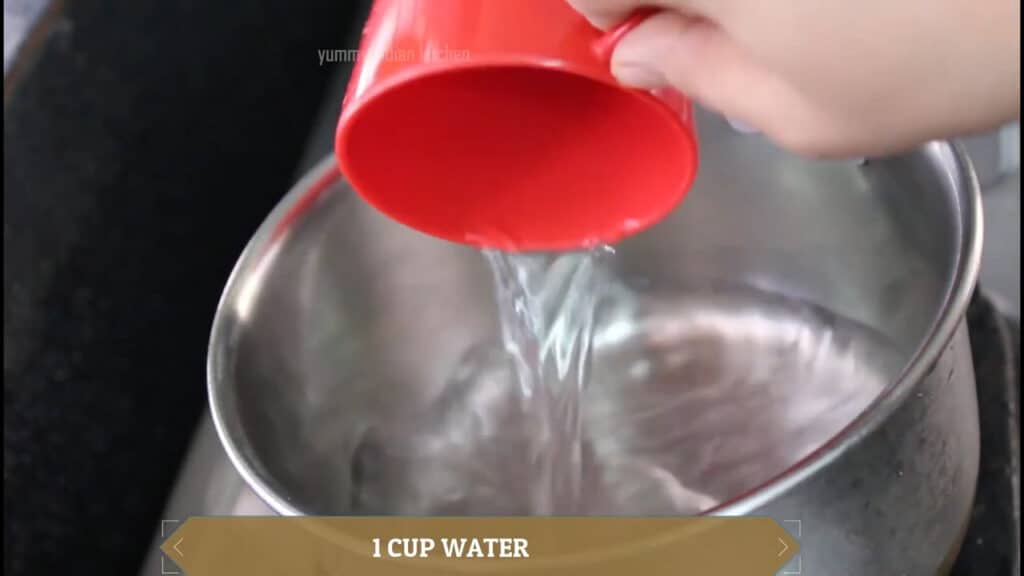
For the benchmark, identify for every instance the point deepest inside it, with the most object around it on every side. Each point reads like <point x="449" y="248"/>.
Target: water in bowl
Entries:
<point x="608" y="400"/>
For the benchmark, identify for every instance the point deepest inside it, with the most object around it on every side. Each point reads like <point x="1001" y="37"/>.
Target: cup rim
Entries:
<point x="355" y="107"/>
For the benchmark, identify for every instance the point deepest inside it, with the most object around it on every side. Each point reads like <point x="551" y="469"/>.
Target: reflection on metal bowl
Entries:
<point x="788" y="343"/>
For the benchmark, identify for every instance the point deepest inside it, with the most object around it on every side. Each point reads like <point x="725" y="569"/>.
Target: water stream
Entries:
<point x="546" y="308"/>
<point x="601" y="399"/>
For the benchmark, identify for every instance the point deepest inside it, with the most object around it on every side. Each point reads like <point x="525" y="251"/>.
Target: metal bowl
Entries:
<point x="788" y="343"/>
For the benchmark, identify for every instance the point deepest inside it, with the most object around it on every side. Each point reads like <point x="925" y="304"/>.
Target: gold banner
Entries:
<point x="307" y="546"/>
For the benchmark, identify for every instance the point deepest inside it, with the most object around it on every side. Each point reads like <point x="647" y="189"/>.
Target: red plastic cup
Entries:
<point x="497" y="123"/>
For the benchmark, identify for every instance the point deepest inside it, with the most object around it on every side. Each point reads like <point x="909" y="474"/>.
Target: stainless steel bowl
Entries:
<point x="790" y="342"/>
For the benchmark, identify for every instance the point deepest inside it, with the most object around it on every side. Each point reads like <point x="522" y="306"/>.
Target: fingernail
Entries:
<point x="634" y="62"/>
<point x="638" y="75"/>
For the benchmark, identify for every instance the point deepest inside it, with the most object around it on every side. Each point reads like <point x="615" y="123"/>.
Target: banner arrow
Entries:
<point x="784" y="547"/>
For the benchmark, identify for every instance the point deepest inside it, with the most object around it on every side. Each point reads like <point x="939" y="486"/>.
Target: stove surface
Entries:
<point x="992" y="544"/>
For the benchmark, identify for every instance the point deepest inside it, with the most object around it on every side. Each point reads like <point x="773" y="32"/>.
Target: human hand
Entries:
<point x="830" y="77"/>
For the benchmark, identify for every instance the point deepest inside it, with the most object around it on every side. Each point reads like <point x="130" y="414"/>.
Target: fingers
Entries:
<point x="700" y="60"/>
<point x="682" y="47"/>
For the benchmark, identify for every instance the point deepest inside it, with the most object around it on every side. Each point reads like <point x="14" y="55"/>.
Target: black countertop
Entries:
<point x="141" y="149"/>
<point x="992" y="544"/>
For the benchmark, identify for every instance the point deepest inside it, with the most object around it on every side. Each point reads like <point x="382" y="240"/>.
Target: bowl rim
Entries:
<point x="949" y="316"/>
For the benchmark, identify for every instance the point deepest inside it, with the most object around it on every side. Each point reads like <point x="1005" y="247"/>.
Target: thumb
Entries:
<point x="696" y="57"/>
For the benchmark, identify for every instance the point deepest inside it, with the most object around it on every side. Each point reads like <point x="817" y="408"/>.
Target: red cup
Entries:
<point x="497" y="123"/>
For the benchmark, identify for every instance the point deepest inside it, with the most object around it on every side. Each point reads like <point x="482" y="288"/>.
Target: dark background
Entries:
<point x="142" y="147"/>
